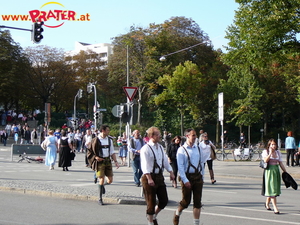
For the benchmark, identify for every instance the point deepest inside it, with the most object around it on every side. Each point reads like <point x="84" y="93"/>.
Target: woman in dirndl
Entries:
<point x="272" y="178"/>
<point x="51" y="143"/>
<point x="65" y="148"/>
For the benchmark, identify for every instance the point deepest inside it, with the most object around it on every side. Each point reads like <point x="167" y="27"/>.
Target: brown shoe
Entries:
<point x="175" y="219"/>
<point x="155" y="222"/>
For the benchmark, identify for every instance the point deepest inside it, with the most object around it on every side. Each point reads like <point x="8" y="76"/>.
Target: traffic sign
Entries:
<point x="116" y="111"/>
<point x="130" y="92"/>
<point x="221" y="106"/>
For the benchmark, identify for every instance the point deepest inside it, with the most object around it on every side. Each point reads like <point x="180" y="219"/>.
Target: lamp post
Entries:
<point x="90" y="88"/>
<point x="79" y="95"/>
<point x="164" y="57"/>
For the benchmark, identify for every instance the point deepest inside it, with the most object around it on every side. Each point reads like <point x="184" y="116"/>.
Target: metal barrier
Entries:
<point x="28" y="149"/>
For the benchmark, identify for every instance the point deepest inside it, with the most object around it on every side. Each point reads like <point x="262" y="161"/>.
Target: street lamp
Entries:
<point x="163" y="58"/>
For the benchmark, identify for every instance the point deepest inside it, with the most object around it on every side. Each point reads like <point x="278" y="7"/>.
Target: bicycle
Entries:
<point x="255" y="152"/>
<point x="222" y="155"/>
<point x="241" y="154"/>
<point x="29" y="159"/>
<point x="252" y="154"/>
<point x="231" y="145"/>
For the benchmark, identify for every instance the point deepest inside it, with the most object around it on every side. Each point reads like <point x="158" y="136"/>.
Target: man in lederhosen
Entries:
<point x="153" y="161"/>
<point x="99" y="155"/>
<point x="190" y="166"/>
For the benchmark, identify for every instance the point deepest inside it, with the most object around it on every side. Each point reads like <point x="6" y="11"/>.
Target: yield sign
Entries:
<point x="130" y="92"/>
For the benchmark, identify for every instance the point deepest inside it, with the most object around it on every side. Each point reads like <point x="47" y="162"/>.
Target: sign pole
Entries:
<point x="221" y="118"/>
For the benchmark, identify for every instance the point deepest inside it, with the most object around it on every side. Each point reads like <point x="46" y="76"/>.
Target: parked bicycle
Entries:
<point x="223" y="155"/>
<point x="252" y="154"/>
<point x="231" y="145"/>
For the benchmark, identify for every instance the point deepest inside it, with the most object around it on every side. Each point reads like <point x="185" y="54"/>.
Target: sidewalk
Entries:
<point x="77" y="183"/>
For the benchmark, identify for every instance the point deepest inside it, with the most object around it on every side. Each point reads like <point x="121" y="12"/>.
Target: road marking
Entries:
<point x="250" y="218"/>
<point x="247" y="209"/>
<point x="239" y="217"/>
<point x="226" y="192"/>
<point x="82" y="185"/>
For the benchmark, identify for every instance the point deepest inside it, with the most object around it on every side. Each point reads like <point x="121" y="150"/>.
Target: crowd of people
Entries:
<point x="184" y="157"/>
<point x="19" y="132"/>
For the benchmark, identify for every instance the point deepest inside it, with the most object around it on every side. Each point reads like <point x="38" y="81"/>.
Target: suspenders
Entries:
<point x="190" y="164"/>
<point x="155" y="165"/>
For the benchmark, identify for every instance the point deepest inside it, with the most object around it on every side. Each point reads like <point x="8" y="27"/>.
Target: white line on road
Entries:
<point x="82" y="185"/>
<point x="250" y="218"/>
<point x="247" y="209"/>
<point x="226" y="192"/>
<point x="239" y="217"/>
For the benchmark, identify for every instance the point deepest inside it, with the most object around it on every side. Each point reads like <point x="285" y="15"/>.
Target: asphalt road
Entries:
<point x="228" y="203"/>
<point x="235" y="199"/>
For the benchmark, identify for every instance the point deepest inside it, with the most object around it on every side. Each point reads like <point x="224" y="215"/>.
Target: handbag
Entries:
<point x="263" y="164"/>
<point x="72" y="155"/>
<point x="212" y="153"/>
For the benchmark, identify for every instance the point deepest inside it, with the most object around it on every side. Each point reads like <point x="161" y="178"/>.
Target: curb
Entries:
<point x="72" y="196"/>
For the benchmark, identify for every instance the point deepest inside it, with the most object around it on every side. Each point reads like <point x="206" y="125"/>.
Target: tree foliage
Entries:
<point x="263" y="52"/>
<point x="49" y="79"/>
<point x="180" y="88"/>
<point x="12" y="64"/>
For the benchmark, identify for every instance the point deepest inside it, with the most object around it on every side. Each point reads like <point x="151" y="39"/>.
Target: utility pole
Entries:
<point x="90" y="88"/>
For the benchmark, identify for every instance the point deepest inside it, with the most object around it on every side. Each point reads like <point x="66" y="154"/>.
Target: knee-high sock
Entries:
<point x="100" y="187"/>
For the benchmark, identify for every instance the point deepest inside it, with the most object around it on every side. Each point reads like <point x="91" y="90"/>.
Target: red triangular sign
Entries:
<point x="130" y="92"/>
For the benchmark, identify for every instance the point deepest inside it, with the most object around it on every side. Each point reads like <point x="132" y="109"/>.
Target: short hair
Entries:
<point x="290" y="133"/>
<point x="133" y="133"/>
<point x="50" y="132"/>
<point x="151" y="131"/>
<point x="187" y="131"/>
<point x="103" y="127"/>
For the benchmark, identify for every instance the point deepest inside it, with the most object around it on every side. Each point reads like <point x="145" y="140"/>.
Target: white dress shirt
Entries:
<point x="105" y="141"/>
<point x="183" y="163"/>
<point x="147" y="158"/>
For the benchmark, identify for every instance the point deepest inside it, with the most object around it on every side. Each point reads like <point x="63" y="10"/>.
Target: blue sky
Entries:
<point x="114" y="17"/>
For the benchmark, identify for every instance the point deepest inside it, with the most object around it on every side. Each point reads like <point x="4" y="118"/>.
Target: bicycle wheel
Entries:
<point x="255" y="155"/>
<point x="234" y="145"/>
<point x="219" y="154"/>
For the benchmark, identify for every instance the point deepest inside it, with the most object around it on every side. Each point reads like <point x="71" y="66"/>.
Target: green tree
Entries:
<point x="147" y="45"/>
<point x="261" y="42"/>
<point x="13" y="63"/>
<point x="49" y="79"/>
<point x="180" y="89"/>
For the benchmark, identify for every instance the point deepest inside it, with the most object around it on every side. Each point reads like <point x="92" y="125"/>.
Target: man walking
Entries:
<point x="135" y="145"/>
<point x="4" y="137"/>
<point x="34" y="136"/>
<point x="153" y="161"/>
<point x="27" y="135"/>
<point x="190" y="166"/>
<point x="86" y="141"/>
<point x="99" y="155"/>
